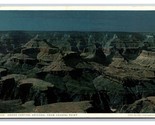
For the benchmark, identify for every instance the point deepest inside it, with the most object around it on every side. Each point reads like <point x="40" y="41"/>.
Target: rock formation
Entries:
<point x="144" y="105"/>
<point x="34" y="89"/>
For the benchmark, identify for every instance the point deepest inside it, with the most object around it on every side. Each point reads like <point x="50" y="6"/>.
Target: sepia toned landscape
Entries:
<point x="77" y="72"/>
<point x="77" y="61"/>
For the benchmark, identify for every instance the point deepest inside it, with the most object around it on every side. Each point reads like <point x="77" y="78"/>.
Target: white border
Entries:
<point x="78" y="7"/>
<point x="77" y="115"/>
<point x="81" y="2"/>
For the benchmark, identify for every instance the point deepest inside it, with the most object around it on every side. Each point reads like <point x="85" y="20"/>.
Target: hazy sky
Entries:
<point x="135" y="21"/>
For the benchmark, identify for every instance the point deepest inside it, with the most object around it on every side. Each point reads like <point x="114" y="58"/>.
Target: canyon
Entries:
<point x="77" y="72"/>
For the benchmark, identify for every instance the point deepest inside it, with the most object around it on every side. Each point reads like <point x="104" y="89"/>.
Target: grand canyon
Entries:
<point x="77" y="72"/>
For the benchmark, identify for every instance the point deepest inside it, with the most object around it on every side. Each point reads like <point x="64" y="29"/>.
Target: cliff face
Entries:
<point x="146" y="59"/>
<point x="144" y="105"/>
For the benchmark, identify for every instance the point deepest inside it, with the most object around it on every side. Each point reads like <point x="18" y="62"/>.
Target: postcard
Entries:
<point x="77" y="62"/>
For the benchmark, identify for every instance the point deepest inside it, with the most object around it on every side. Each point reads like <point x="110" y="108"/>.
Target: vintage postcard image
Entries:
<point x="72" y="63"/>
